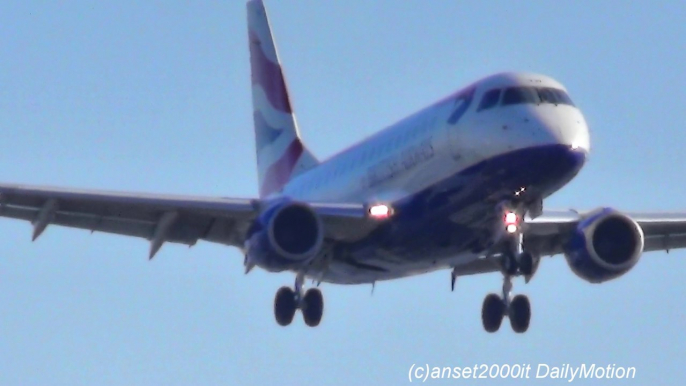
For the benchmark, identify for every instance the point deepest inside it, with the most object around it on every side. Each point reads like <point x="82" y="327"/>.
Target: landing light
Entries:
<point x="380" y="211"/>
<point x="511" y="218"/>
<point x="511" y="222"/>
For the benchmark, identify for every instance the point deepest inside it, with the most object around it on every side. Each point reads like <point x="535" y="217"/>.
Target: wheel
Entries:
<point x="492" y="312"/>
<point x="284" y="306"/>
<point x="520" y="313"/>
<point x="509" y="264"/>
<point x="313" y="307"/>
<point x="526" y="264"/>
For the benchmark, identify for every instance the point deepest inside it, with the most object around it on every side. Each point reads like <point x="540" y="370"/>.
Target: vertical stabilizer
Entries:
<point x="280" y="153"/>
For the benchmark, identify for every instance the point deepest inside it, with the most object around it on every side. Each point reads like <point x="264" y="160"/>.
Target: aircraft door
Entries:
<point x="458" y="127"/>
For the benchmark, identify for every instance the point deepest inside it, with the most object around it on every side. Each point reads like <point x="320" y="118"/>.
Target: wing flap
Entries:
<point x="665" y="242"/>
<point x="220" y="220"/>
<point x="117" y="225"/>
<point x="478" y="266"/>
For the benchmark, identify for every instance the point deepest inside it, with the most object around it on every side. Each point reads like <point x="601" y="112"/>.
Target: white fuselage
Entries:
<point x="440" y="143"/>
<point x="424" y="148"/>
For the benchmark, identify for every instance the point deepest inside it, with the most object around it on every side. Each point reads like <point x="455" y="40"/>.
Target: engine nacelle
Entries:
<point x="286" y="235"/>
<point x="605" y="245"/>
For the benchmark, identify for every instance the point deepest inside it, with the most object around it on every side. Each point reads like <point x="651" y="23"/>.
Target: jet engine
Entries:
<point x="286" y="235"/>
<point x="604" y="246"/>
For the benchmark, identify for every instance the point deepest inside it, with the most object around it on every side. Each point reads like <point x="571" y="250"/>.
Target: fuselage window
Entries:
<point x="489" y="99"/>
<point x="517" y="95"/>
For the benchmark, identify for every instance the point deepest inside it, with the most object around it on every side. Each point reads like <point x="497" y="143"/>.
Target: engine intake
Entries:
<point x="286" y="235"/>
<point x="605" y="245"/>
<point x="295" y="231"/>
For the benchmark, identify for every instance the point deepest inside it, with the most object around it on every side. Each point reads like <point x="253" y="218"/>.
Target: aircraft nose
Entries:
<point x="574" y="132"/>
<point x="565" y="126"/>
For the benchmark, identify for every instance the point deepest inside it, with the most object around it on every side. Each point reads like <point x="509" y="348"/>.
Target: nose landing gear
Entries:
<point x="515" y="261"/>
<point x="520" y="313"/>
<point x="492" y="312"/>
<point x="495" y="308"/>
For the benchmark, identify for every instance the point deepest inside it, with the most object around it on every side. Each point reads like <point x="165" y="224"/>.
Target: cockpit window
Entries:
<point x="555" y="96"/>
<point x="517" y="95"/>
<point x="548" y="95"/>
<point x="489" y="99"/>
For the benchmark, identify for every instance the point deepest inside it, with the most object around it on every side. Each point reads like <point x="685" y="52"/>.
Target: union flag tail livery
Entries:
<point x="281" y="154"/>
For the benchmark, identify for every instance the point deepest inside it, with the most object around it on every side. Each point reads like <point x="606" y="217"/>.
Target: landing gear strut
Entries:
<point x="515" y="261"/>
<point x="287" y="301"/>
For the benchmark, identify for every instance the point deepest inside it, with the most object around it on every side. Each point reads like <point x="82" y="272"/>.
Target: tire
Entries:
<point x="284" y="306"/>
<point x="520" y="314"/>
<point x="509" y="264"/>
<point x="492" y="313"/>
<point x="526" y="264"/>
<point x="313" y="307"/>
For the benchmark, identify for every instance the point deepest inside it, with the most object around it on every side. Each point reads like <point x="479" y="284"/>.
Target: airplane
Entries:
<point x="457" y="186"/>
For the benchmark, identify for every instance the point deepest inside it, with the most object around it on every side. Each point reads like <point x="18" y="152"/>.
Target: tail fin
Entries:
<point x="280" y="153"/>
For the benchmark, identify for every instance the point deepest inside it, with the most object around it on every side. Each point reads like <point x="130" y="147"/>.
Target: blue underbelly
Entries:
<point x="456" y="215"/>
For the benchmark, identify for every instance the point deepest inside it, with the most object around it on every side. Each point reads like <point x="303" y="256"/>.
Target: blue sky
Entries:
<point x="154" y="96"/>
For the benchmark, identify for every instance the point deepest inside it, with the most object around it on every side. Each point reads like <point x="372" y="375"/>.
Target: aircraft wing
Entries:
<point x="158" y="218"/>
<point x="548" y="234"/>
<point x="662" y="231"/>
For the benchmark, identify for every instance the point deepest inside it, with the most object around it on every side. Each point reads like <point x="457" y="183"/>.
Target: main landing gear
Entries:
<point x="515" y="261"/>
<point x="287" y="301"/>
